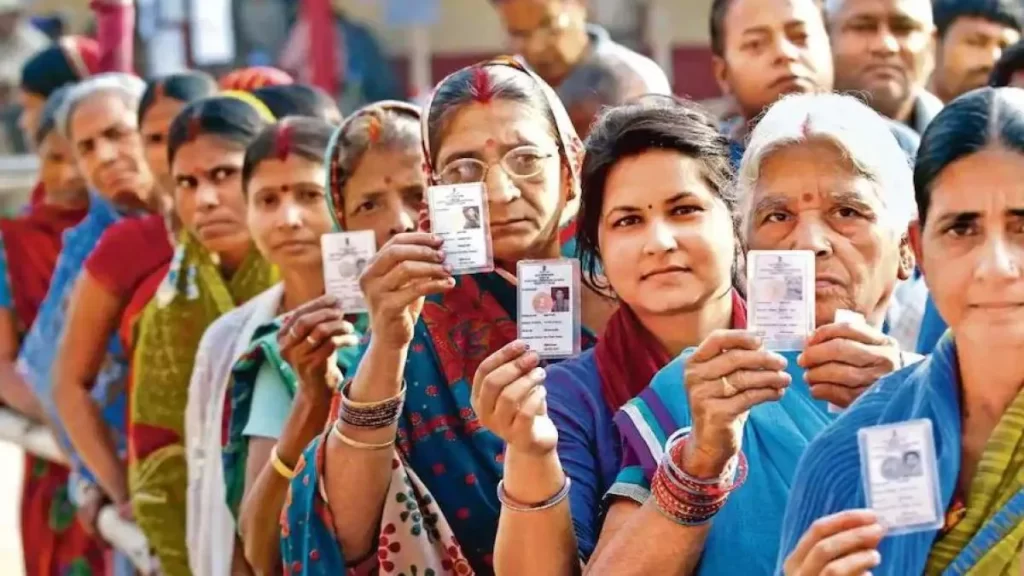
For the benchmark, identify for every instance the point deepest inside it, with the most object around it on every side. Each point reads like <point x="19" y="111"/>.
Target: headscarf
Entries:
<point x="71" y="59"/>
<point x="246" y="79"/>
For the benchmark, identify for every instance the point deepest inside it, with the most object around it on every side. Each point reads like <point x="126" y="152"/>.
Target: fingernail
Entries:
<point x="800" y="360"/>
<point x="450" y="281"/>
<point x="538" y="374"/>
<point x="440" y="255"/>
<point x="449" y="268"/>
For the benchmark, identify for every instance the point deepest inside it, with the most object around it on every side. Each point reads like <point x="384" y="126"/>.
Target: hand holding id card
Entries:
<point x="458" y="214"/>
<point x="901" y="476"/>
<point x="780" y="297"/>
<point x="345" y="256"/>
<point x="846" y="317"/>
<point x="549" y="306"/>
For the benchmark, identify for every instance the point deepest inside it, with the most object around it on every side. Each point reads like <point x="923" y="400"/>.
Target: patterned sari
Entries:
<point x="52" y="539"/>
<point x="987" y="540"/>
<point x="193" y="295"/>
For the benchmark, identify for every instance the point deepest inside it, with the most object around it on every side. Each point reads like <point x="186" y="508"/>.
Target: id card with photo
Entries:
<point x="845" y="317"/>
<point x="780" y="297"/>
<point x="901" y="476"/>
<point x="458" y="214"/>
<point x="346" y="255"/>
<point x="549" y="306"/>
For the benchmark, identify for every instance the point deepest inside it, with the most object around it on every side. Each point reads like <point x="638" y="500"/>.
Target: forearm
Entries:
<point x="261" y="507"/>
<point x="357" y="479"/>
<point x="91" y="438"/>
<point x="536" y="542"/>
<point x="650" y="543"/>
<point x="17" y="394"/>
<point x="115" y="23"/>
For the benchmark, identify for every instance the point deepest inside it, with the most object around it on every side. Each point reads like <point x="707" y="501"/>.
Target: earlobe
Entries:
<point x="721" y="72"/>
<point x="910" y="251"/>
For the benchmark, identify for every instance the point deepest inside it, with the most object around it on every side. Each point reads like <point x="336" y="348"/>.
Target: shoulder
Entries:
<point x="654" y="79"/>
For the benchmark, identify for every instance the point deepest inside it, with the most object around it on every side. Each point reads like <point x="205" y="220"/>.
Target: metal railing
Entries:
<point x="123" y="535"/>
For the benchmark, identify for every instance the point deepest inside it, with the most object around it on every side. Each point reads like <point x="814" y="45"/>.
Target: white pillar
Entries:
<point x="421" y="58"/>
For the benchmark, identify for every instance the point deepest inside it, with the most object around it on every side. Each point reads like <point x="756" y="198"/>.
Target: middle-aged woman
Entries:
<point x="822" y="173"/>
<point x="413" y="488"/>
<point x="215" y="268"/>
<point x="657" y="194"/>
<point x="377" y="170"/>
<point x="970" y="245"/>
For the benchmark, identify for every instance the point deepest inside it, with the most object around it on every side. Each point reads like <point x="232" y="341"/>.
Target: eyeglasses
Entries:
<point x="519" y="163"/>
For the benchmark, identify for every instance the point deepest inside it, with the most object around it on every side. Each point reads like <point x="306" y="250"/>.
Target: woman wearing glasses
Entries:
<point x="407" y="477"/>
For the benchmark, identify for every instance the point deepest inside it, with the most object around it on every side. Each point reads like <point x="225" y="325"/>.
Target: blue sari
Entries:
<point x="39" y="351"/>
<point x="829" y="478"/>
<point x="742" y="538"/>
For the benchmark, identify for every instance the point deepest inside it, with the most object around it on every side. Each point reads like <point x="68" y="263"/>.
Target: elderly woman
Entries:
<point x="969" y="245"/>
<point x="822" y="173"/>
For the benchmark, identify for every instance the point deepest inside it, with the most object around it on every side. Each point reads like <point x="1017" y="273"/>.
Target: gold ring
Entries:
<point x="728" y="389"/>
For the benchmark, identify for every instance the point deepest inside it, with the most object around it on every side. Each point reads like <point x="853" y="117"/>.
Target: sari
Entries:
<point x="238" y="400"/>
<point x="53" y="541"/>
<point x="192" y="296"/>
<point x="38" y="353"/>
<point x="987" y="540"/>
<point x="742" y="537"/>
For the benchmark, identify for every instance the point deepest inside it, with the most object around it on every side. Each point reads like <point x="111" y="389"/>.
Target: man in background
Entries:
<point x="555" y="39"/>
<point x="972" y="36"/>
<point x="597" y="85"/>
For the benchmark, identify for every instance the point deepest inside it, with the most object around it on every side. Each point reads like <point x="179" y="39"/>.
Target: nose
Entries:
<point x="885" y="42"/>
<point x="788" y="51"/>
<point x="105" y="151"/>
<point x="292" y="215"/>
<point x="206" y="197"/>
<point x="811" y="233"/>
<point x="999" y="261"/>
<point x="405" y="221"/>
<point x="500" y="188"/>
<point x="660" y="239"/>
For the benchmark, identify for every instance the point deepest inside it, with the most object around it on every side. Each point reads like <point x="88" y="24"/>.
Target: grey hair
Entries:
<point x="127" y="86"/>
<point x="855" y="129"/>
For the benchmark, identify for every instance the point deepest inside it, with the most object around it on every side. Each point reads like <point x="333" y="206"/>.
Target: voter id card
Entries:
<point x="780" y="297"/>
<point x="345" y="256"/>
<point x="549" y="306"/>
<point x="458" y="214"/>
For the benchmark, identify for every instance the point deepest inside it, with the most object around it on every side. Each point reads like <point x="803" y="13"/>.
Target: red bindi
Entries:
<point x="490" y="143"/>
<point x="807" y="197"/>
<point x="387" y="180"/>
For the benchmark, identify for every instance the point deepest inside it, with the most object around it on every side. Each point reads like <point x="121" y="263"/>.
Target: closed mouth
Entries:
<point x="665" y="270"/>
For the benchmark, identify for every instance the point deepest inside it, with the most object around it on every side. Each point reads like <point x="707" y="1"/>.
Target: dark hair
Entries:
<point x="229" y="118"/>
<point x="965" y="126"/>
<point x="183" y="87"/>
<point x="649" y="123"/>
<point x="608" y="83"/>
<point x="388" y="125"/>
<point x="716" y="25"/>
<point x="298" y="100"/>
<point x="48" y="70"/>
<point x="501" y="82"/>
<point x="1009" y="13"/>
<point x="48" y="117"/>
<point x="305" y="137"/>
<point x="1008" y="64"/>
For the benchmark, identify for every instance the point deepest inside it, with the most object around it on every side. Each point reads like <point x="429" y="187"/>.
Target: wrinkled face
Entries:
<point x="155" y="124"/>
<point x="109" y="151"/>
<point x="883" y="48"/>
<point x="288" y="211"/>
<point x="968" y="52"/>
<point x="809" y="196"/>
<point x="773" y="48"/>
<point x="971" y="249"/>
<point x="546" y="33"/>
<point x="58" y="172"/>
<point x="384" y="193"/>
<point x="665" y="239"/>
<point x="31" y="109"/>
<point x="523" y="212"/>
<point x="208" y="193"/>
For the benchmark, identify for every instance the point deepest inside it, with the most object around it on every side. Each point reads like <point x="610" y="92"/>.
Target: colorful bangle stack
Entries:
<point x="371" y="415"/>
<point x="687" y="500"/>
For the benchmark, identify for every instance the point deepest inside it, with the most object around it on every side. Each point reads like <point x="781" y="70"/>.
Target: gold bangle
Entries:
<point x="336" y="431"/>
<point x="279" y="466"/>
<point x="344" y="396"/>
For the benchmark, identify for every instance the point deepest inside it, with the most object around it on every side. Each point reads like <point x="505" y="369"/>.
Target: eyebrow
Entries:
<point x="854" y="198"/>
<point x="629" y="209"/>
<point x="967" y="217"/>
<point x="477" y="154"/>
<point x="296" y="186"/>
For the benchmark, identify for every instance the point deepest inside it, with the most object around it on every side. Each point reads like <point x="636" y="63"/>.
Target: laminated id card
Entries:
<point x="458" y="214"/>
<point x="845" y="317"/>
<point x="346" y="255"/>
<point x="901" y="476"/>
<point x="780" y="297"/>
<point x="549" y="306"/>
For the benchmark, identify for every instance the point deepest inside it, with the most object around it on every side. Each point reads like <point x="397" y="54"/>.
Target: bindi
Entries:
<point x="388" y="180"/>
<point x="807" y="197"/>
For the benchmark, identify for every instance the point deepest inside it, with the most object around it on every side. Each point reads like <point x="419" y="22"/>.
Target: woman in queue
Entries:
<point x="299" y="100"/>
<point x="420" y="481"/>
<point x="656" y="184"/>
<point x="215" y="267"/>
<point x="969" y="246"/>
<point x="373" y="168"/>
<point x="821" y="173"/>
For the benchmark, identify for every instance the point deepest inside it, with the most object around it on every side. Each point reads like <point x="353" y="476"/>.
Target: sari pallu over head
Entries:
<point x="39" y="350"/>
<point x="441" y="510"/>
<point x="192" y="296"/>
<point x="987" y="541"/>
<point x="744" y="533"/>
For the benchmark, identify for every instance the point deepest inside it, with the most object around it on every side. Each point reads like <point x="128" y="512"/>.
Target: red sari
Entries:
<point x="52" y="539"/>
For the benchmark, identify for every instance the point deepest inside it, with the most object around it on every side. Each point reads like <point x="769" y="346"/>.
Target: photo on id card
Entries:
<point x="346" y="255"/>
<point x="549" y="306"/>
<point x="780" y="297"/>
<point x="901" y="476"/>
<point x="458" y="214"/>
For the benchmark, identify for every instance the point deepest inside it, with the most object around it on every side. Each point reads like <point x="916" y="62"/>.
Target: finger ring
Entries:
<point x="312" y="341"/>
<point x="728" y="389"/>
